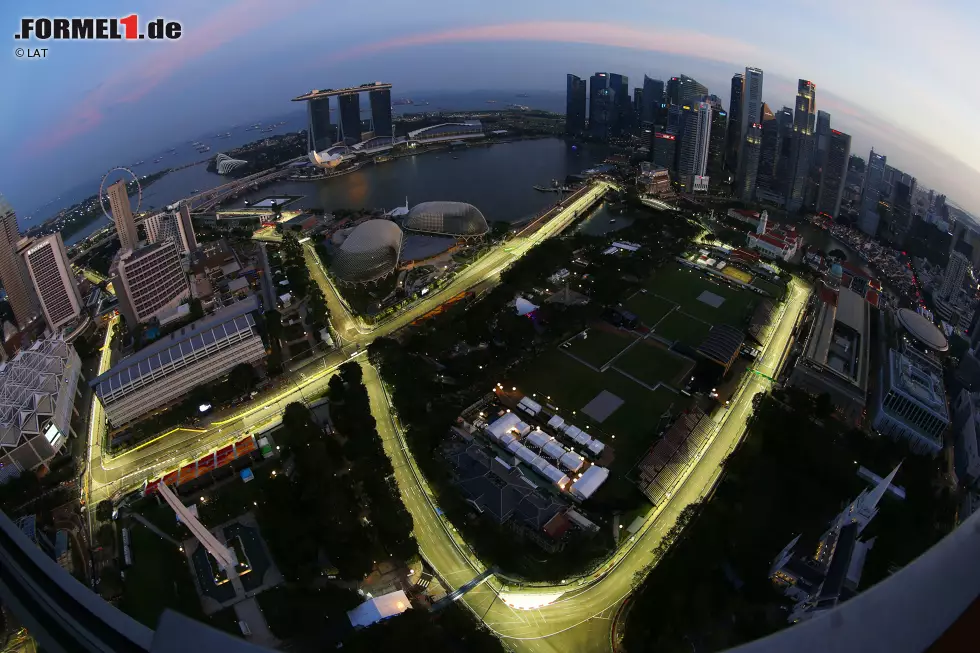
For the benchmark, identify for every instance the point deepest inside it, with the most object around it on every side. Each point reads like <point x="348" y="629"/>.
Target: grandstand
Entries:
<point x="664" y="465"/>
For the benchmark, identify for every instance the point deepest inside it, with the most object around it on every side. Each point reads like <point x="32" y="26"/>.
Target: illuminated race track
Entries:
<point x="579" y="614"/>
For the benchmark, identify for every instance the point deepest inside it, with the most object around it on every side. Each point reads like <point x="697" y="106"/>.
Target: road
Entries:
<point x="109" y="476"/>
<point x="579" y="618"/>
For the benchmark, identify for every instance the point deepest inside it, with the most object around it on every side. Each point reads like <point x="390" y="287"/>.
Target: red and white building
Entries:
<point x="774" y="241"/>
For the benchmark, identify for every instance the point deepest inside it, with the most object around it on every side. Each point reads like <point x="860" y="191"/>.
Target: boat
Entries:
<point x="257" y="125"/>
<point x="194" y="191"/>
<point x="455" y="157"/>
<point x="138" y="163"/>
<point x="553" y="189"/>
<point x="612" y="220"/>
<point x="269" y="128"/>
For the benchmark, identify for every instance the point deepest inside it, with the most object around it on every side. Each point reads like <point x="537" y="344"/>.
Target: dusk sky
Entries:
<point x="893" y="75"/>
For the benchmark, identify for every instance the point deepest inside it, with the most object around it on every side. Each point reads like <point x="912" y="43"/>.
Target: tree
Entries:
<point x="242" y="378"/>
<point x="106" y="535"/>
<point x="103" y="511"/>
<point x="196" y="309"/>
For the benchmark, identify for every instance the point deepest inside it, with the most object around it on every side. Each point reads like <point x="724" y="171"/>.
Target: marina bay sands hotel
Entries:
<point x="323" y="133"/>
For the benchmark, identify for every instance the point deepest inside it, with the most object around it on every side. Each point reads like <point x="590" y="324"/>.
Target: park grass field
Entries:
<point x="565" y="383"/>
<point x="653" y="364"/>
<point x="683" y="328"/>
<point x="683" y="286"/>
<point x="648" y="307"/>
<point x="601" y="345"/>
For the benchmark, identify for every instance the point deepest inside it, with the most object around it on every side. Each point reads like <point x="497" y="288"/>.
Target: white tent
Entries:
<point x="524" y="307"/>
<point x="378" y="609"/>
<point x="591" y="480"/>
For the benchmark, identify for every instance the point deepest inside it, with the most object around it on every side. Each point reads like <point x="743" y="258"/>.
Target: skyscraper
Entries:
<point x="637" y="106"/>
<point x="734" y="123"/>
<point x="823" y="132"/>
<point x="609" y="104"/>
<point x="380" y="100"/>
<point x="321" y="132"/>
<point x="122" y="215"/>
<point x="13" y="272"/>
<point x="751" y="114"/>
<point x="620" y="85"/>
<point x="690" y="91"/>
<point x="871" y="192"/>
<point x="834" y="173"/>
<point x="749" y="162"/>
<point x="694" y="142"/>
<point x="350" y="117"/>
<point x="653" y="95"/>
<point x="602" y="113"/>
<point x="50" y="271"/>
<point x="149" y="281"/>
<point x="674" y="90"/>
<point x="956" y="269"/>
<point x="716" y="147"/>
<point x="777" y="129"/>
<point x="575" y="100"/>
<point x="801" y="155"/>
<point x="173" y="225"/>
<point x="663" y="151"/>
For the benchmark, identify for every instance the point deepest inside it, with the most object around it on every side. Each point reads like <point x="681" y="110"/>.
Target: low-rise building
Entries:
<point x="774" y="241"/>
<point x="166" y="370"/>
<point x="835" y="351"/>
<point x="654" y="179"/>
<point x="911" y="401"/>
<point x="38" y="388"/>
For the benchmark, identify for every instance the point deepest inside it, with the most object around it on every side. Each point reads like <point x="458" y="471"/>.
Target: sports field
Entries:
<point x="600" y="345"/>
<point x="682" y="327"/>
<point x="683" y="286"/>
<point x="652" y="363"/>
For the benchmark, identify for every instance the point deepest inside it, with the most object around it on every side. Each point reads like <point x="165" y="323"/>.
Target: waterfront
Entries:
<point x="497" y="179"/>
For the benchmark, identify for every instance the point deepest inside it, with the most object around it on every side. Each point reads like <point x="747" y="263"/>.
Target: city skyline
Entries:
<point x="143" y="92"/>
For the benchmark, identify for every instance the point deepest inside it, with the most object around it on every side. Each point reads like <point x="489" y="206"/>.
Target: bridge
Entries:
<point x="209" y="199"/>
<point x="458" y="593"/>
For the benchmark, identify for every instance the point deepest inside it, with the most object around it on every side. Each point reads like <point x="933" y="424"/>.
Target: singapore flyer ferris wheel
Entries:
<point x="102" y="189"/>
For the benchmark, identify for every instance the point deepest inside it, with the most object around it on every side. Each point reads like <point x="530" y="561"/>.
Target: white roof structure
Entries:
<point x="538" y="439"/>
<point x="226" y="164"/>
<point x="571" y="461"/>
<point x="369" y="253"/>
<point x="379" y="608"/>
<point x="523" y="306"/>
<point x="531" y="406"/>
<point x="590" y="481"/>
<point x="508" y="423"/>
<point x="595" y="447"/>
<point x="922" y="329"/>
<point x="556" y="422"/>
<point x="553" y="450"/>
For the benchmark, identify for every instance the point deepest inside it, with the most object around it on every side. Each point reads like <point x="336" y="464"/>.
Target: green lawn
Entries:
<point x="600" y="346"/>
<point x="682" y="327"/>
<point x="767" y="286"/>
<point x="649" y="308"/>
<point x="652" y="364"/>
<point x="159" y="578"/>
<point x="684" y="286"/>
<point x="572" y="385"/>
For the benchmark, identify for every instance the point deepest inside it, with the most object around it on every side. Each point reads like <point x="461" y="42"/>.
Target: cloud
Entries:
<point x="673" y="41"/>
<point x="134" y="82"/>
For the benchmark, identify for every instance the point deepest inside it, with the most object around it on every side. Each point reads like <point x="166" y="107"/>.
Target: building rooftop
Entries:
<point x="918" y="378"/>
<point x="194" y="336"/>
<point x="922" y="329"/>
<point x="317" y="94"/>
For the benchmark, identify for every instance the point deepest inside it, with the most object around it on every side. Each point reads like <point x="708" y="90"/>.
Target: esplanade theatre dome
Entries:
<point x="369" y="253"/>
<point x="446" y="219"/>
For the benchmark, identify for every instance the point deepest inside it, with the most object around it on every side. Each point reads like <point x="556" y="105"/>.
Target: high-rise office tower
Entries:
<point x="602" y="107"/>
<point x="871" y="193"/>
<point x="674" y="90"/>
<point x="767" y="183"/>
<point x="674" y="113"/>
<point x="637" y="106"/>
<point x="620" y="85"/>
<point x="716" y="147"/>
<point x="122" y="215"/>
<point x="714" y="101"/>
<point x="663" y="151"/>
<point x="575" y="101"/>
<point x="350" y="117"/>
<point x="174" y="225"/>
<point x="380" y="100"/>
<point x="834" y="173"/>
<point x="801" y="156"/>
<point x="750" y="114"/>
<point x="734" y="123"/>
<point x="690" y="91"/>
<point x="694" y="143"/>
<point x="321" y="132"/>
<point x="749" y="162"/>
<point x="823" y="132"/>
<point x="13" y="271"/>
<point x="653" y="95"/>
<point x="956" y="270"/>
<point x="149" y="281"/>
<point x="50" y="270"/>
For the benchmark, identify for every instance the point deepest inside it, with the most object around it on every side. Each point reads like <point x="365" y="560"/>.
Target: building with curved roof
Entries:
<point x="447" y="131"/>
<point x="924" y="331"/>
<point x="226" y="164"/>
<point x="446" y="219"/>
<point x="369" y="253"/>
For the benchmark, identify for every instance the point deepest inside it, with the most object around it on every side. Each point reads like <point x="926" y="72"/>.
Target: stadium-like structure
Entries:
<point x="369" y="253"/>
<point x="456" y="219"/>
<point x="226" y="164"/>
